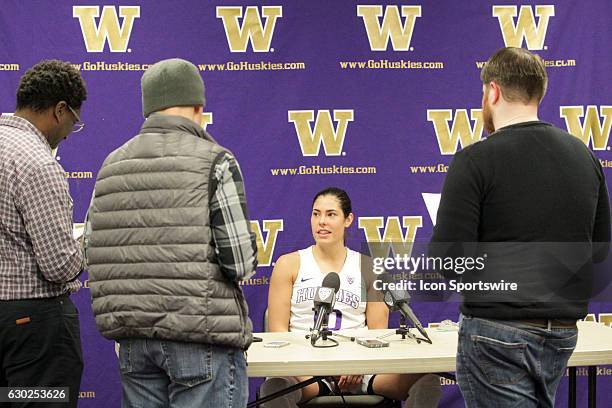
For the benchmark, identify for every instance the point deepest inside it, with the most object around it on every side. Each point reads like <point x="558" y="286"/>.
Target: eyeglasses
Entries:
<point x="78" y="126"/>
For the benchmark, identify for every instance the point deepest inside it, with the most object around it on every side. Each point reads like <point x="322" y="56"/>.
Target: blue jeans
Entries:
<point x="505" y="364"/>
<point x="156" y="373"/>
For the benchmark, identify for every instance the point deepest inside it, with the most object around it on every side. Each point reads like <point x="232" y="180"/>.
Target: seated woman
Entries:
<point x="292" y="285"/>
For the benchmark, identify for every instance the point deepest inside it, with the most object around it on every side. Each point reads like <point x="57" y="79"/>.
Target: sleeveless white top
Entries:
<point x="350" y="306"/>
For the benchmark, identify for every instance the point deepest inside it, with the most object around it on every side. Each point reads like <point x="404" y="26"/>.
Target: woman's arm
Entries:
<point x="377" y="312"/>
<point x="377" y="315"/>
<point x="279" y="293"/>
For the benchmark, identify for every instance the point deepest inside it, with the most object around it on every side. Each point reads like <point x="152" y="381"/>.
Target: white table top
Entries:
<point x="402" y="356"/>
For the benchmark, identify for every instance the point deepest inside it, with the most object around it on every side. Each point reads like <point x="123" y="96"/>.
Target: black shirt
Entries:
<point x="526" y="187"/>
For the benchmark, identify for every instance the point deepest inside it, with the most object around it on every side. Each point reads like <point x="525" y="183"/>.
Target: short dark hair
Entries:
<point x="520" y="74"/>
<point x="49" y="82"/>
<point x="341" y="196"/>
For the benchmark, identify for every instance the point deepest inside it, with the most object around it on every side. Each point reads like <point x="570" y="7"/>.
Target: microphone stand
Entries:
<point x="404" y="331"/>
<point x="325" y="333"/>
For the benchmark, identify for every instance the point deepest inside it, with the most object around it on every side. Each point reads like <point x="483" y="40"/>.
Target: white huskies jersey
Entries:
<point x="350" y="306"/>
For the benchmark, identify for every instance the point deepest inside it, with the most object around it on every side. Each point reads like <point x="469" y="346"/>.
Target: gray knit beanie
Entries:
<point x="171" y="82"/>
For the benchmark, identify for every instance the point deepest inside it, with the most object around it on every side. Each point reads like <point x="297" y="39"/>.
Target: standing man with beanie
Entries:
<point x="40" y="260"/>
<point x="167" y="241"/>
<point x="533" y="198"/>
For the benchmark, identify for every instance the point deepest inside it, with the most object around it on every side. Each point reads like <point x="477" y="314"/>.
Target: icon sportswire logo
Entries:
<point x="108" y="29"/>
<point x="594" y="129"/>
<point x="460" y="131"/>
<point x="525" y="29"/>
<point x="392" y="28"/>
<point x="252" y="29"/>
<point x="324" y="132"/>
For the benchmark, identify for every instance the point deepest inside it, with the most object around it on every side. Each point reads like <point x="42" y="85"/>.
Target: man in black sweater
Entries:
<point x="533" y="198"/>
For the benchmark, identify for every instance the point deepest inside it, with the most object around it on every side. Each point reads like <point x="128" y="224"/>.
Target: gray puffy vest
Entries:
<point x="153" y="271"/>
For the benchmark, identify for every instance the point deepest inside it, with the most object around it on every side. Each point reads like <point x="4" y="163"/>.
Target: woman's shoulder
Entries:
<point x="287" y="265"/>
<point x="290" y="259"/>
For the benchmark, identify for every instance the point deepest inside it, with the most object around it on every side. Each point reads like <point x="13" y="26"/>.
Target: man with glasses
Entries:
<point x="78" y="125"/>
<point x="39" y="258"/>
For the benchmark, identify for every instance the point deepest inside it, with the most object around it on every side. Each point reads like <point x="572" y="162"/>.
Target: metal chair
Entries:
<point x="350" y="401"/>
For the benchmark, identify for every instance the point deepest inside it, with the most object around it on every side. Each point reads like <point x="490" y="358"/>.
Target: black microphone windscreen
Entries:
<point x="397" y="294"/>
<point x="331" y="280"/>
<point x="385" y="278"/>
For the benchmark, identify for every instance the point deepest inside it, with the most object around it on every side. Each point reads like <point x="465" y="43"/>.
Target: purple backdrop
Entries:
<point x="389" y="101"/>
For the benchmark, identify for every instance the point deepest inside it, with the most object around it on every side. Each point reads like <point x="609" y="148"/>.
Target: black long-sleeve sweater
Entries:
<point x="526" y="185"/>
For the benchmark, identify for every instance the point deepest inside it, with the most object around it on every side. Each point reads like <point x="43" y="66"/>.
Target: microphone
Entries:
<point x="399" y="300"/>
<point x="324" y="301"/>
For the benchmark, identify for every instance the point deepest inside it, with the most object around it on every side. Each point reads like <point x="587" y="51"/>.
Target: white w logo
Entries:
<point x="392" y="27"/>
<point x="396" y="240"/>
<point x="252" y="28"/>
<point x="525" y="26"/>
<point x="594" y="128"/>
<point x="460" y="131"/>
<point x="108" y="28"/>
<point x="310" y="139"/>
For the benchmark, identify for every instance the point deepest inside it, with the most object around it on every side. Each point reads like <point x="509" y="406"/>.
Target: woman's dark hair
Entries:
<point x="49" y="82"/>
<point x="341" y="196"/>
